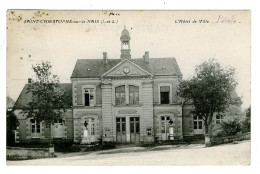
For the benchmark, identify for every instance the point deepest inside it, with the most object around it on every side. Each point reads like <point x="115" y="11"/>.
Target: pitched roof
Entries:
<point x="24" y="97"/>
<point x="94" y="68"/>
<point x="9" y="102"/>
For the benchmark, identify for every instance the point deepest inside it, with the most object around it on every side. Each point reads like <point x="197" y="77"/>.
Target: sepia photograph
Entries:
<point x="128" y="88"/>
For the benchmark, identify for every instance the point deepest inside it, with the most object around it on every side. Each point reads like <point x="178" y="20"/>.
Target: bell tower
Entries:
<point x="125" y="44"/>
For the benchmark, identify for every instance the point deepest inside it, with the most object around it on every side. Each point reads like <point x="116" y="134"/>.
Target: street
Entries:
<point x="226" y="154"/>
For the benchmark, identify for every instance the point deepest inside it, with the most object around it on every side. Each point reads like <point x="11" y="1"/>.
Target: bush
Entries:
<point x="108" y="145"/>
<point x="65" y="147"/>
<point x="231" y="127"/>
<point x="32" y="144"/>
<point x="246" y="125"/>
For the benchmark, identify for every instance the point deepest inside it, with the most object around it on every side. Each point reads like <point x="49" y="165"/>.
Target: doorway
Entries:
<point x="165" y="127"/>
<point x="121" y="129"/>
<point x="134" y="129"/>
<point x="58" y="129"/>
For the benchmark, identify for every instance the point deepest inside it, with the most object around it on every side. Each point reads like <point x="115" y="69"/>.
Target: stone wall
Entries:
<point x="18" y="153"/>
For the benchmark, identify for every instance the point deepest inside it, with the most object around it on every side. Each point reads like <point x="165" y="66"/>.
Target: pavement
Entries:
<point x="169" y="155"/>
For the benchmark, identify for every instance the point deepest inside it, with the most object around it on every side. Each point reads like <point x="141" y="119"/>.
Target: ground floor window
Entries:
<point x="197" y="122"/>
<point x="35" y="127"/>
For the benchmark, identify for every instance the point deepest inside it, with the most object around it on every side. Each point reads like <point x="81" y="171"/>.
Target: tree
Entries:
<point x="210" y="91"/>
<point x="247" y="122"/>
<point x="11" y="125"/>
<point x="48" y="100"/>
<point x="248" y="112"/>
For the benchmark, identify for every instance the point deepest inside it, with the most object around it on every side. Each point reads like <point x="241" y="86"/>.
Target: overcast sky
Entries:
<point x="226" y="37"/>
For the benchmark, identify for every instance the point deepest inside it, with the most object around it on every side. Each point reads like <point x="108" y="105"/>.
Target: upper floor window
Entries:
<point x="165" y="94"/>
<point x="219" y="119"/>
<point x="120" y="95"/>
<point x="89" y="97"/>
<point x="133" y="95"/>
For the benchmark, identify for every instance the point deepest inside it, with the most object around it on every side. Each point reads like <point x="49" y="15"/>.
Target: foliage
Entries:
<point x="11" y="125"/>
<point x="210" y="89"/>
<point x="48" y="100"/>
<point x="246" y="124"/>
<point x="248" y="112"/>
<point x="231" y="127"/>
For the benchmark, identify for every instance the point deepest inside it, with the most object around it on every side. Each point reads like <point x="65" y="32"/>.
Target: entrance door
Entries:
<point x="89" y="129"/>
<point x="134" y="129"/>
<point x="120" y="130"/>
<point x="165" y="127"/>
<point x="58" y="129"/>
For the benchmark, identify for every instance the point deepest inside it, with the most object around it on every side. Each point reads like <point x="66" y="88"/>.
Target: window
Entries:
<point x="133" y="95"/>
<point x="120" y="125"/>
<point x="89" y="96"/>
<point x="165" y="94"/>
<point x="35" y="128"/>
<point x="219" y="119"/>
<point x="58" y="121"/>
<point x="149" y="131"/>
<point x="197" y="122"/>
<point x="120" y="95"/>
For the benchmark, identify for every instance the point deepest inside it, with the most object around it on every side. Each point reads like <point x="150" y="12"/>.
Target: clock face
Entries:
<point x="126" y="70"/>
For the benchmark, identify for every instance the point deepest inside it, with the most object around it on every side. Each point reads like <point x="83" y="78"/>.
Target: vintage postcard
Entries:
<point x="128" y="88"/>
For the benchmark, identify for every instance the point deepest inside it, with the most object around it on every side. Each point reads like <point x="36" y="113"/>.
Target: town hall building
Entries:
<point x="126" y="100"/>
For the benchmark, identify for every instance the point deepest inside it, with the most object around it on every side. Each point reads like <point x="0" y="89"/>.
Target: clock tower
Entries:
<point x="125" y="44"/>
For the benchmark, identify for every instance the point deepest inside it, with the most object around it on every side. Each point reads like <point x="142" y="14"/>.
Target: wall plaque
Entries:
<point x="127" y="111"/>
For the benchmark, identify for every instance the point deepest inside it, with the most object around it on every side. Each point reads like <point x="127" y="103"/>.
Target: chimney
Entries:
<point x="105" y="57"/>
<point x="146" y="57"/>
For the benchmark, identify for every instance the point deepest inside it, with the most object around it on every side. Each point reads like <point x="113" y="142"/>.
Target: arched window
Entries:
<point x="133" y="95"/>
<point x="120" y="95"/>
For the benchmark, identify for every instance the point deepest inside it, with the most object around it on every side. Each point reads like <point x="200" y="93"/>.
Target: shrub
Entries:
<point x="246" y="125"/>
<point x="231" y="127"/>
<point x="64" y="147"/>
<point x="108" y="145"/>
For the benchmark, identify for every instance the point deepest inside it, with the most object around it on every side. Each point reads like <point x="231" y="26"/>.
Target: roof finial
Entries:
<point x="124" y="27"/>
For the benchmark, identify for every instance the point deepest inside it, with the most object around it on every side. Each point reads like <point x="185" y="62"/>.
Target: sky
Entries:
<point x="223" y="35"/>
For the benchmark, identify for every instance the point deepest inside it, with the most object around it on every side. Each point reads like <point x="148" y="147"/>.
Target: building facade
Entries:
<point x="122" y="100"/>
